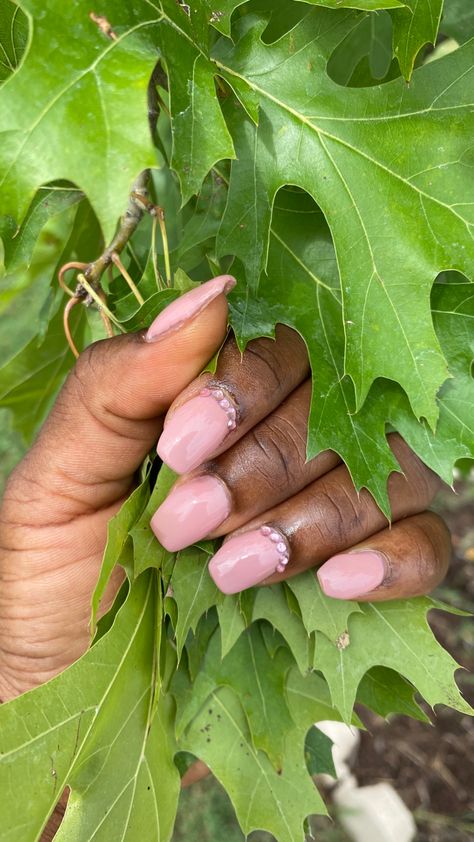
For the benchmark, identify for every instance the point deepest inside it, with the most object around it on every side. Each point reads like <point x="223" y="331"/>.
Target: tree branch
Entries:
<point x="128" y="224"/>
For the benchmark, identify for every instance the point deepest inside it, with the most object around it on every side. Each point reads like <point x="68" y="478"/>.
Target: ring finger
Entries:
<point x="319" y="522"/>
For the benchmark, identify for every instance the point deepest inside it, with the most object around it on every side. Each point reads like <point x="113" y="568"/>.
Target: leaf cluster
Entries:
<point x="296" y="144"/>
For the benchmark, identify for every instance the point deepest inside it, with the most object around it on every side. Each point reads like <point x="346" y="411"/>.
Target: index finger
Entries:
<point x="215" y="411"/>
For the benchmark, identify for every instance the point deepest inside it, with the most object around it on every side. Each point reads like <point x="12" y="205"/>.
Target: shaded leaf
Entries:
<point x="276" y="801"/>
<point x="318" y="753"/>
<point x="13" y="37"/>
<point x="386" y="692"/>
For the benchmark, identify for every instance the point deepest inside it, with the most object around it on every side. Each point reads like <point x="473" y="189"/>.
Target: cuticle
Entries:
<point x="388" y="578"/>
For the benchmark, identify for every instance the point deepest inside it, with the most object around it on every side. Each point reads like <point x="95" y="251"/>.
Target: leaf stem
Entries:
<point x="153" y="255"/>
<point x="166" y="252"/>
<point x="118" y="263"/>
<point x="67" y="329"/>
<point x="100" y="304"/>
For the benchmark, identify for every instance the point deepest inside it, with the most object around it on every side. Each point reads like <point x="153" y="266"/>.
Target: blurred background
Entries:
<point x="430" y="767"/>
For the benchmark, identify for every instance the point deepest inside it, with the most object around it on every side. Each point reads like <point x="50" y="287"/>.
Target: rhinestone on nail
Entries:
<point x="224" y="404"/>
<point x="281" y="547"/>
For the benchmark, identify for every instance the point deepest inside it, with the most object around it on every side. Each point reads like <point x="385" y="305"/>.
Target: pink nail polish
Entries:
<point x="188" y="306"/>
<point x="352" y="575"/>
<point x="191" y="511"/>
<point x="196" y="430"/>
<point x="248" y="559"/>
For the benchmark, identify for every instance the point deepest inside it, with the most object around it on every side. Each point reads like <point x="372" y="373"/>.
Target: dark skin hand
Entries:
<point x="108" y="416"/>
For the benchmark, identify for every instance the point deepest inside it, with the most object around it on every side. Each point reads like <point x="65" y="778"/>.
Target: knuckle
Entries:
<point x="431" y="550"/>
<point x="264" y="358"/>
<point x="270" y="460"/>
<point x="421" y="479"/>
<point x="338" y="513"/>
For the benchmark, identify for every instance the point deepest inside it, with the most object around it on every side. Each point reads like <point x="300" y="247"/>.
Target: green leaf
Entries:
<point x="400" y="639"/>
<point x="13" y="37"/>
<point x="271" y="605"/>
<point x="386" y="692"/>
<point x="264" y="798"/>
<point x="148" y="552"/>
<point x="364" y="5"/>
<point x="89" y="729"/>
<point x="258" y="679"/>
<point x="19" y="243"/>
<point x="453" y="314"/>
<point x="95" y="92"/>
<point x="30" y="381"/>
<point x="231" y="622"/>
<point x="193" y="590"/>
<point x="200" y="135"/>
<point x="458" y="20"/>
<point x="118" y="530"/>
<point x="318" y="753"/>
<point x="413" y="27"/>
<point x="364" y="57"/>
<point x="319" y="612"/>
<point x="309" y="699"/>
<point x="148" y="311"/>
<point x="333" y="146"/>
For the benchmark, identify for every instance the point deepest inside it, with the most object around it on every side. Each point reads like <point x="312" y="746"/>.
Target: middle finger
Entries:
<point x="267" y="466"/>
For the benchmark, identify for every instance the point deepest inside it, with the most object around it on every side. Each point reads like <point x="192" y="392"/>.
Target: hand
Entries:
<point x="60" y="498"/>
<point x="281" y="514"/>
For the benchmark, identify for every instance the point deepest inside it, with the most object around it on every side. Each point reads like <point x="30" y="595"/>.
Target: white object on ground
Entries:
<point x="368" y="813"/>
<point x="374" y="813"/>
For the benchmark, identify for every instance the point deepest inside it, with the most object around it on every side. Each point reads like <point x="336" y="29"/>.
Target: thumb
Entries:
<point x="108" y="414"/>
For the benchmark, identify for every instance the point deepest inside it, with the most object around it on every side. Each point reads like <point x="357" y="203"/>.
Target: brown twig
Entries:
<point x="128" y="224"/>
<point x="67" y="266"/>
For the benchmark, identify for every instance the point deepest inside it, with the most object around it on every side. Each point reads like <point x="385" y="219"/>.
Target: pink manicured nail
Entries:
<point x="191" y="511"/>
<point x="188" y="306"/>
<point x="351" y="575"/>
<point x="247" y="559"/>
<point x="196" y="430"/>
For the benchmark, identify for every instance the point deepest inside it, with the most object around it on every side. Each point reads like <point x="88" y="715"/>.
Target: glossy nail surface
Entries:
<point x="188" y="306"/>
<point x="352" y="575"/>
<point x="247" y="559"/>
<point x="193" y="433"/>
<point x="191" y="511"/>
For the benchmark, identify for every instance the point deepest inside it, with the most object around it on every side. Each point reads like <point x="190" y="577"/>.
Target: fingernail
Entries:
<point x="191" y="511"/>
<point x="188" y="306"/>
<point x="248" y="559"/>
<point x="352" y="575"/>
<point x="196" y="430"/>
